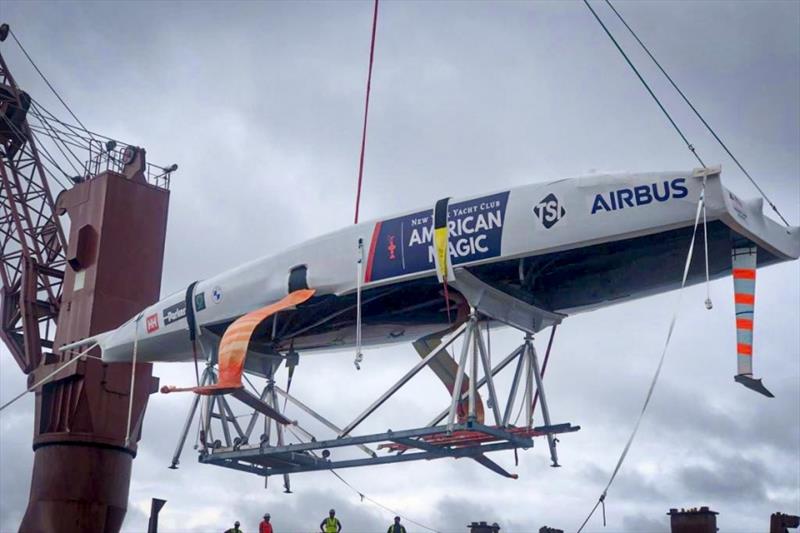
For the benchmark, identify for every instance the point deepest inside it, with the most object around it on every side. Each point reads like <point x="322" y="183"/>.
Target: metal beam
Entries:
<point x="462" y="361"/>
<point x="551" y="441"/>
<point x="487" y="373"/>
<point x="318" y="417"/>
<point x="394" y="388"/>
<point x="512" y="394"/>
<point x="500" y="366"/>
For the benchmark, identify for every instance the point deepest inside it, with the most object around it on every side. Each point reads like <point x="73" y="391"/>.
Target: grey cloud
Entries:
<point x="736" y="478"/>
<point x="645" y="524"/>
<point x="261" y="103"/>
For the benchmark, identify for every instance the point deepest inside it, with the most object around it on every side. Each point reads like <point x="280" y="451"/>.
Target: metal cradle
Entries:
<point x="447" y="435"/>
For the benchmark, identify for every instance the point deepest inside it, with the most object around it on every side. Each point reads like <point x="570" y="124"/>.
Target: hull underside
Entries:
<point x="570" y="281"/>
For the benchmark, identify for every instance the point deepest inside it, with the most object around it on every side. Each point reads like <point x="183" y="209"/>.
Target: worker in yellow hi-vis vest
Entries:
<point x="331" y="524"/>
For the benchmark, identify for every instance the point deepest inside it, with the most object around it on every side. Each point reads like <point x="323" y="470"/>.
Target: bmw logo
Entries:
<point x="216" y="294"/>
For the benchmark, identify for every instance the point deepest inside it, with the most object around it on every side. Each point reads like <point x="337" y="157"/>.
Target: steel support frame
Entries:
<point x="302" y="457"/>
<point x="272" y="455"/>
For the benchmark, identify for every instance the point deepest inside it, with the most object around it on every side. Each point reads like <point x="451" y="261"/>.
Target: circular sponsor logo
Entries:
<point x="216" y="294"/>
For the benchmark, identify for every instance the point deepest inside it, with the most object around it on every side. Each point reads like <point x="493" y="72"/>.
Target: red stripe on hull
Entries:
<point x="375" y="233"/>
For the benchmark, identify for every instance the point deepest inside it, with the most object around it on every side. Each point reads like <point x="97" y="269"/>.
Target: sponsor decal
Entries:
<point x="152" y="323"/>
<point x="404" y="245"/>
<point x="216" y="294"/>
<point x="737" y="206"/>
<point x="200" y="301"/>
<point x="174" y="312"/>
<point x="640" y="195"/>
<point x="549" y="211"/>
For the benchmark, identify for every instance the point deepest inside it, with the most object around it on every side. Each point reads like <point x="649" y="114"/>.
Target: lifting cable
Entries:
<point x="697" y="113"/>
<point x="652" y="387"/>
<point x="701" y="210"/>
<point x="378" y="504"/>
<point x="363" y="496"/>
<point x="46" y="155"/>
<point x="50" y="376"/>
<point x="47" y="81"/>
<point x="689" y="145"/>
<point x="366" y="111"/>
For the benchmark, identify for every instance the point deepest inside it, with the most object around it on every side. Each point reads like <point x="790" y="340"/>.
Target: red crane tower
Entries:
<point x="57" y="290"/>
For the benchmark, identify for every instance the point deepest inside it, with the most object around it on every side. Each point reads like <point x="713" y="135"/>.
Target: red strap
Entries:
<point x="366" y="111"/>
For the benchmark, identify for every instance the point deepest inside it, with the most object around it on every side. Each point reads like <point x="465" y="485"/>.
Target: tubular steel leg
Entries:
<point x="528" y="382"/>
<point x="208" y="407"/>
<point x="232" y="419"/>
<point x="223" y="418"/>
<point x="500" y="366"/>
<point x="187" y="425"/>
<point x="551" y="440"/>
<point x="462" y="361"/>
<point x="487" y="374"/>
<point x="512" y="394"/>
<point x="279" y="431"/>
<point x="473" y="368"/>
<point x="254" y="417"/>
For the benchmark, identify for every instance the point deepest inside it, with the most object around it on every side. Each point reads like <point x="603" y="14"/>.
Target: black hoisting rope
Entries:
<point x="697" y="113"/>
<point x="48" y="82"/>
<point x="701" y="210"/>
<point x="689" y="145"/>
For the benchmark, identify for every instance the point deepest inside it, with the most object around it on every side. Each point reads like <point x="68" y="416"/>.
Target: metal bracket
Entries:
<point x="503" y="307"/>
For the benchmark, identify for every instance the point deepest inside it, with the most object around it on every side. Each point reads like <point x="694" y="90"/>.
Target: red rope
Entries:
<point x="366" y="110"/>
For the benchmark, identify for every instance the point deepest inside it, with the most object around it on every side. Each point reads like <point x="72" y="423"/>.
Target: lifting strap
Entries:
<point x="441" y="249"/>
<point x="192" y="324"/>
<point x="235" y="342"/>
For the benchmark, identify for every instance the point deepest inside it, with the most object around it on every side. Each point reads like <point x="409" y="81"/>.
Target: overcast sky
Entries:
<point x="261" y="106"/>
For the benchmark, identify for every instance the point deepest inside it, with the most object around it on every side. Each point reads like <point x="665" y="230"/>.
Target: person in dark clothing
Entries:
<point x="397" y="527"/>
<point x="234" y="529"/>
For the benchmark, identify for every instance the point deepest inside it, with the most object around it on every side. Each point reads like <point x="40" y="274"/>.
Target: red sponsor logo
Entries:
<point x="392" y="247"/>
<point x="152" y="323"/>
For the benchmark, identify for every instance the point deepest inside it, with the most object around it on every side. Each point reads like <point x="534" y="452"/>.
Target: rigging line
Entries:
<point x="45" y="153"/>
<point x="366" y="111"/>
<point x="133" y="379"/>
<point x="55" y="134"/>
<point x="42" y="131"/>
<point x="74" y="136"/>
<point x="56" y="139"/>
<point x="697" y="113"/>
<point x="623" y="455"/>
<point x="72" y="127"/>
<point x="47" y="81"/>
<point x="48" y="377"/>
<point x="689" y="145"/>
<point x="374" y="502"/>
<point x="361" y="494"/>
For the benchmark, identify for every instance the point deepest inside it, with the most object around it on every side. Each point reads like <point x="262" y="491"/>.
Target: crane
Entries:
<point x="32" y="244"/>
